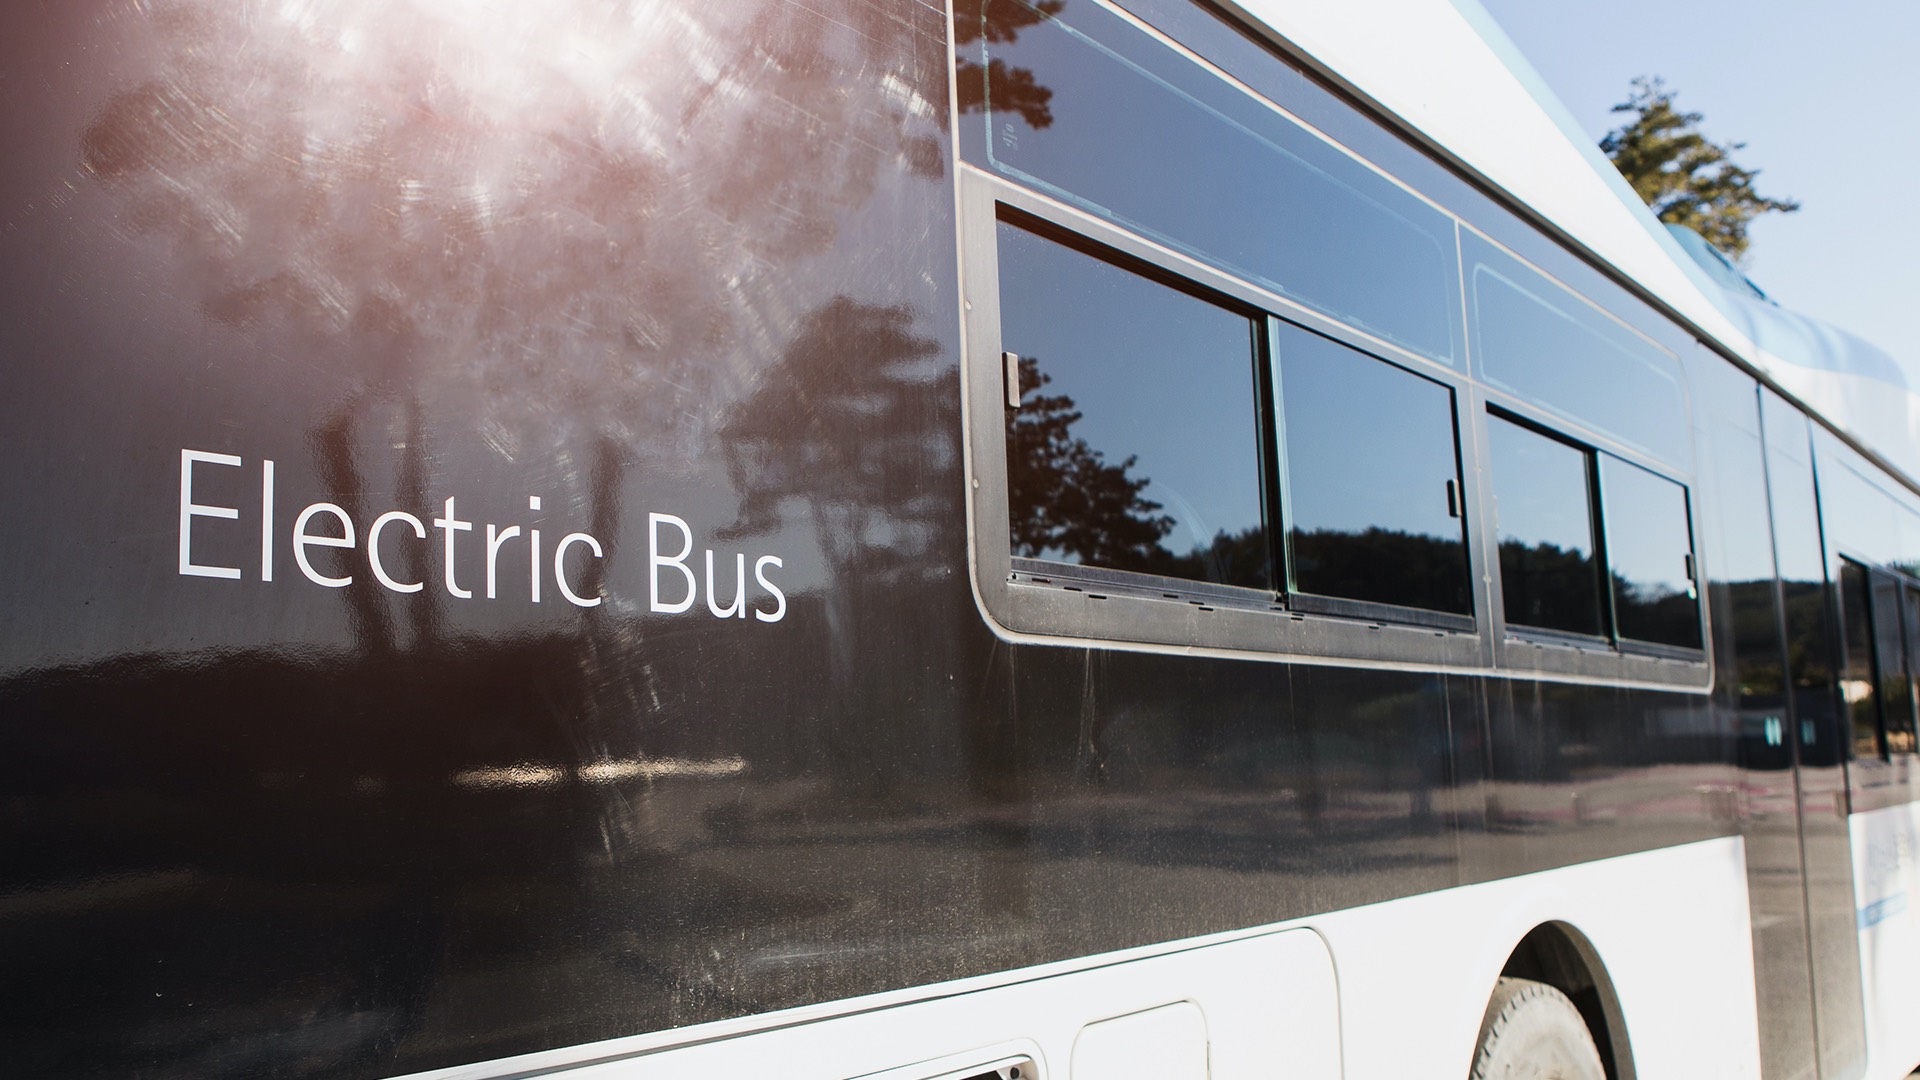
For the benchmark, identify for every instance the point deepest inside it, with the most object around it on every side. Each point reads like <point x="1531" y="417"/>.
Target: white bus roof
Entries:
<point x="1447" y="71"/>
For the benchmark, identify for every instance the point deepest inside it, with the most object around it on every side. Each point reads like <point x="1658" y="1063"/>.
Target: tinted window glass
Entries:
<point x="1537" y="339"/>
<point x="1649" y="554"/>
<point x="1892" y="623"/>
<point x="1858" y="682"/>
<point x="1136" y="445"/>
<point x="1545" y="522"/>
<point x="1094" y="111"/>
<point x="1373" y="478"/>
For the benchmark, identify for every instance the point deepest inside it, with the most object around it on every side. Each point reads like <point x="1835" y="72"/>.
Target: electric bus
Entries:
<point x="1022" y="539"/>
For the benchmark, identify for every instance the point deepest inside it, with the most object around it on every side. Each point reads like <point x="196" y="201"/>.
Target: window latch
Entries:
<point x="1012" y="370"/>
<point x="1453" y="499"/>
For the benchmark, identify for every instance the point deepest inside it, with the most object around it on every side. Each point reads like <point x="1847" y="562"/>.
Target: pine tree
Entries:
<point x="1685" y="178"/>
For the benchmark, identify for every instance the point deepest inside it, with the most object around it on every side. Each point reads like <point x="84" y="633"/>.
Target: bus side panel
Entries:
<point x="1886" y="859"/>
<point x="1667" y="925"/>
<point x="484" y="563"/>
<point x="1252" y="1004"/>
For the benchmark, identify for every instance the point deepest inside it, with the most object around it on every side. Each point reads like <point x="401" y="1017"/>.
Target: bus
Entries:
<point x="1022" y="539"/>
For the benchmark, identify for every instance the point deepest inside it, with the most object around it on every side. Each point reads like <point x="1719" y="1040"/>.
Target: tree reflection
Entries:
<point x="583" y="255"/>
<point x="1549" y="586"/>
<point x="471" y="247"/>
<point x="1657" y="612"/>
<point x="841" y="435"/>
<point x="1384" y="566"/>
<point x="1557" y="588"/>
<point x="1065" y="498"/>
<point x="1067" y="502"/>
<point x="840" y="427"/>
<point x="1010" y="89"/>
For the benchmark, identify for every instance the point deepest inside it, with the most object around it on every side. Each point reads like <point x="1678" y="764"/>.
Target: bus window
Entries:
<point x="1858" y="678"/>
<point x="1135" y="444"/>
<point x="1373" y="479"/>
<point x="1134" y="132"/>
<point x="1910" y="597"/>
<point x="1649" y="556"/>
<point x="1549" y="572"/>
<point x="1535" y="338"/>
<point x="1891" y="647"/>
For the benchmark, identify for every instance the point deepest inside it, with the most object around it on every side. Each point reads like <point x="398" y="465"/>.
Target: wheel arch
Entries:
<point x="1558" y="954"/>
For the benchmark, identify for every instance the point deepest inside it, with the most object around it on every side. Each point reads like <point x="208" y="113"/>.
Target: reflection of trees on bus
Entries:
<point x="1389" y="566"/>
<point x="840" y="425"/>
<point x="839" y="436"/>
<point x="1010" y="89"/>
<point x="1065" y="499"/>
<point x="1064" y="496"/>
<point x="448" y="285"/>
<point x="1545" y="584"/>
<point x="557" y="262"/>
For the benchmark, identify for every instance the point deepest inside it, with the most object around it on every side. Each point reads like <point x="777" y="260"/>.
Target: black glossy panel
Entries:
<point x="697" y="261"/>
<point x="1822" y="729"/>
<point x="1749" y="697"/>
<point x="1649" y="555"/>
<point x="680" y="258"/>
<point x="1372" y="478"/>
<point x="1136" y="445"/>
<point x="1088" y="108"/>
<point x="1572" y="772"/>
<point x="1544" y="518"/>
<point x="1533" y="337"/>
<point x="1803" y="583"/>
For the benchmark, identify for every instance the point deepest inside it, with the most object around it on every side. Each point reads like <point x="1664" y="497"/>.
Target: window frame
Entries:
<point x="1284" y="629"/>
<point x="1611" y="596"/>
<point x="1195" y="591"/>
<point x="1284" y="523"/>
<point x="1905" y="590"/>
<point x="1580" y="657"/>
<point x="1044" y="601"/>
<point x="1596" y="535"/>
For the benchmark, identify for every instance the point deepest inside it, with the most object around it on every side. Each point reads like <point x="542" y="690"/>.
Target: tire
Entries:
<point x="1533" y="1032"/>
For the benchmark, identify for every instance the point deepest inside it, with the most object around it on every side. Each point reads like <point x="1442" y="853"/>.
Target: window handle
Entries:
<point x="1012" y="371"/>
<point x="1453" y="499"/>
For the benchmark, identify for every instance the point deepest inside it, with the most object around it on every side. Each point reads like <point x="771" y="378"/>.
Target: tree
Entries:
<point x="1686" y="179"/>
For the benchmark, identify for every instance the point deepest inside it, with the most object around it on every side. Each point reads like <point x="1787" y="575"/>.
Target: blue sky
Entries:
<point x="1827" y="99"/>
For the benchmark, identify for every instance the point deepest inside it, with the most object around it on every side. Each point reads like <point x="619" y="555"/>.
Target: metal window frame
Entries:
<point x="1035" y="600"/>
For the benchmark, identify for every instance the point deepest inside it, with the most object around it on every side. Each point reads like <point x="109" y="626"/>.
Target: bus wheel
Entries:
<point x="1532" y="1032"/>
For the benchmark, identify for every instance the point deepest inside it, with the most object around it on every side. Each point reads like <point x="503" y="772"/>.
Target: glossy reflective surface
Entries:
<point x="1750" y="696"/>
<point x="1649" y="555"/>
<point x="1136" y="445"/>
<point x="1814" y="707"/>
<point x="1087" y="107"/>
<point x="1542" y="342"/>
<point x="1372" y="478"/>
<point x="1548" y="574"/>
<point x="684" y="274"/>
